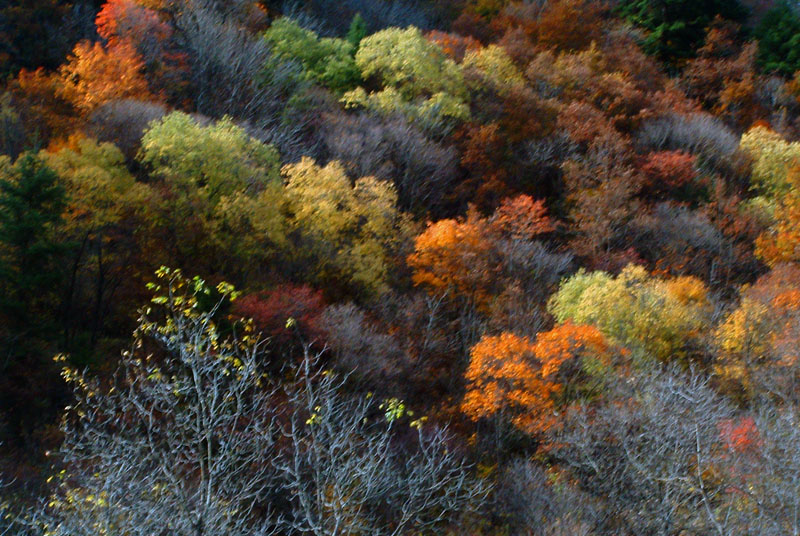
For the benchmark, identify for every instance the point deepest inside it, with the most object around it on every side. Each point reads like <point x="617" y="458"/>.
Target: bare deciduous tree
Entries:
<point x="191" y="438"/>
<point x="653" y="457"/>
<point x="176" y="443"/>
<point x="348" y="474"/>
<point x="234" y="72"/>
<point x="421" y="169"/>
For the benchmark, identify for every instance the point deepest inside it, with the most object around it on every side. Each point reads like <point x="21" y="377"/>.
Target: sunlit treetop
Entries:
<point x="326" y="61"/>
<point x="772" y="158"/>
<point x="418" y="79"/>
<point x="99" y="187"/>
<point x="94" y="75"/>
<point x="495" y="68"/>
<point x="351" y="227"/>
<point x="659" y="318"/>
<point x="218" y="159"/>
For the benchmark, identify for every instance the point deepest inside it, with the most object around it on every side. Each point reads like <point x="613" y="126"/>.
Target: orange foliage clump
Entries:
<point x="781" y="243"/>
<point x="454" y="45"/>
<point x="739" y="435"/>
<point x="787" y="301"/>
<point x="504" y="381"/>
<point x="511" y="378"/>
<point x="569" y="342"/>
<point x="453" y="255"/>
<point x="94" y="75"/>
<point x="39" y="97"/>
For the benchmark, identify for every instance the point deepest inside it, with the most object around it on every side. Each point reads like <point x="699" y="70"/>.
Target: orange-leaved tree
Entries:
<point x="512" y="379"/>
<point x="781" y="243"/>
<point x="94" y="75"/>
<point x="522" y="217"/>
<point x="504" y="382"/>
<point x="575" y="356"/>
<point x="455" y="256"/>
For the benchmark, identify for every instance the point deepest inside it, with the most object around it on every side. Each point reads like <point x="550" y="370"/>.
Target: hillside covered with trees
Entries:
<point x="399" y="267"/>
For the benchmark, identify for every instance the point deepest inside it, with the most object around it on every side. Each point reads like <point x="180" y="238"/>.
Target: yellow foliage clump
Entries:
<point x="658" y="318"/>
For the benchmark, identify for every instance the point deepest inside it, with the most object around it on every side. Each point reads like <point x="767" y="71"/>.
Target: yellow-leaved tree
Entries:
<point x="418" y="79"/>
<point x="655" y="318"/>
<point x="349" y="229"/>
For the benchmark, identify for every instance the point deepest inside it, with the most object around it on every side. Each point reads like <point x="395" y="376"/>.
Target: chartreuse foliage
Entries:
<point x="100" y="188"/>
<point x="655" y="317"/>
<point x="217" y="159"/>
<point x="772" y="158"/>
<point x="775" y="177"/>
<point x="225" y="190"/>
<point x="781" y="243"/>
<point x="326" y="61"/>
<point x="418" y="79"/>
<point x="495" y="68"/>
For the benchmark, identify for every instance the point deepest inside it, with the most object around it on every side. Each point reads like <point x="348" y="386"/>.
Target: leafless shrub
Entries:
<point x="698" y="133"/>
<point x="649" y="456"/>
<point x="549" y="151"/>
<point x="233" y="72"/>
<point x="535" y="504"/>
<point x="533" y="265"/>
<point x="334" y="16"/>
<point x="346" y="475"/>
<point x="188" y="438"/>
<point x="770" y="473"/>
<point x="123" y="123"/>
<point x="175" y="443"/>
<point x="357" y="346"/>
<point x="682" y="238"/>
<point x="421" y="169"/>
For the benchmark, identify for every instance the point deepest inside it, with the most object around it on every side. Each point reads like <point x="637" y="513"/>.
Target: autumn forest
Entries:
<point x="399" y="267"/>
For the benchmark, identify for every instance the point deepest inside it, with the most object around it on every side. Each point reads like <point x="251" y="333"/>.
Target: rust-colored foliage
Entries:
<point x="525" y="116"/>
<point x="38" y="96"/>
<point x="272" y="310"/>
<point x="569" y="24"/>
<point x="483" y="149"/>
<point x="723" y="75"/>
<point x="454" y="45"/>
<point x="128" y="21"/>
<point x="522" y="217"/>
<point x="473" y="25"/>
<point x="483" y="156"/>
<point x="94" y="75"/>
<point x="518" y="45"/>
<point x="121" y="20"/>
<point x="739" y="435"/>
<point x="668" y="171"/>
